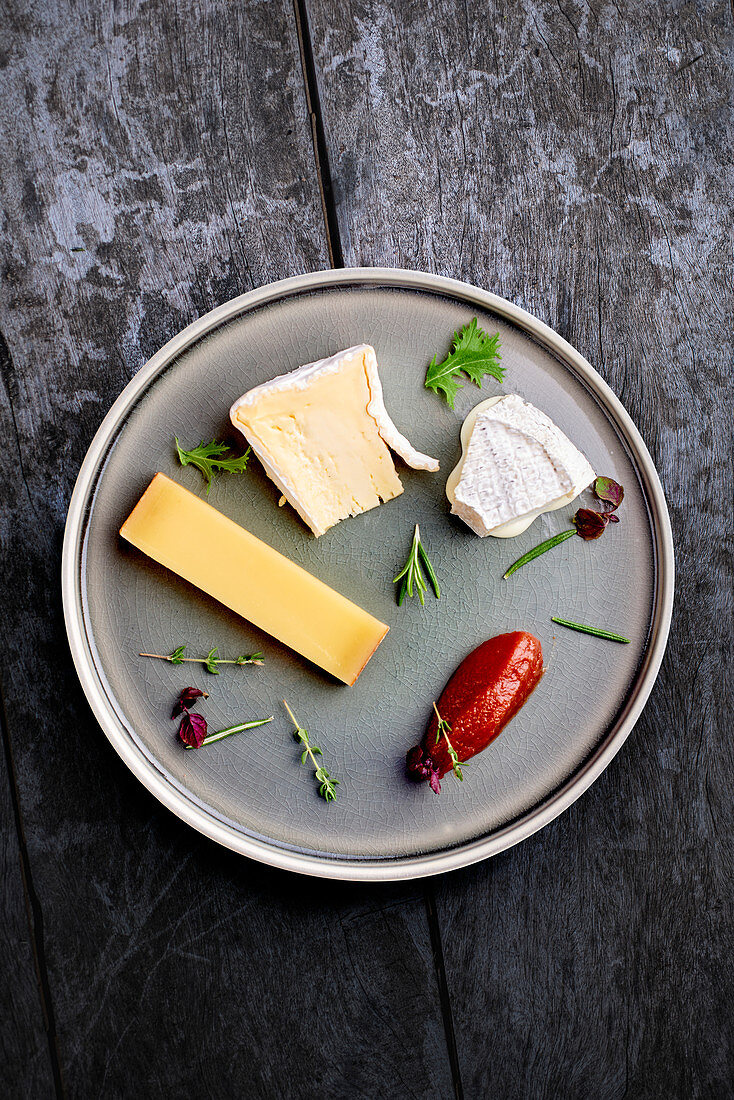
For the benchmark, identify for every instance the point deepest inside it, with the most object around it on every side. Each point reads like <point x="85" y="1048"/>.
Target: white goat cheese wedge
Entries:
<point x="322" y="433"/>
<point x="515" y="465"/>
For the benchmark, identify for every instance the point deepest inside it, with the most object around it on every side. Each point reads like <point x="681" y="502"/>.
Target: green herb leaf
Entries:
<point x="211" y="660"/>
<point x="208" y="458"/>
<point x="473" y="353"/>
<point x="444" y="729"/>
<point x="556" y="540"/>
<point x="591" y="630"/>
<point x="210" y="663"/>
<point x="221" y="734"/>
<point x="412" y="575"/>
<point x="250" y="659"/>
<point x="327" y="785"/>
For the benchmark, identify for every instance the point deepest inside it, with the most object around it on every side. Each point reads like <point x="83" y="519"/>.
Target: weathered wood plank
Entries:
<point x="576" y="158"/>
<point x="158" y="160"/>
<point x="25" y="1062"/>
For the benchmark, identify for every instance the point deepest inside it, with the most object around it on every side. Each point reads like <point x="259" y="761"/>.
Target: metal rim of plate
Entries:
<point x="193" y="812"/>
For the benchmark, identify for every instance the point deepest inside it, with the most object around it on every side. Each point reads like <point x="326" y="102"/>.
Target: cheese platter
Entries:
<point x="432" y="419"/>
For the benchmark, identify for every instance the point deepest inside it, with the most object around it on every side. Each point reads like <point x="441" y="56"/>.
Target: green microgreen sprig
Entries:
<point x="473" y="355"/>
<point x="208" y="459"/>
<point x="444" y="729"/>
<point x="209" y="662"/>
<point x="411" y="574"/>
<point x="327" y="785"/>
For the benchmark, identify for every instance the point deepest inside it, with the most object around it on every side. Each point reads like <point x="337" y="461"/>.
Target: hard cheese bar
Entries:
<point x="187" y="535"/>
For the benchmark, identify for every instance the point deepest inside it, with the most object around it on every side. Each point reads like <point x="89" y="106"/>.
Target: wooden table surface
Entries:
<point x="162" y="156"/>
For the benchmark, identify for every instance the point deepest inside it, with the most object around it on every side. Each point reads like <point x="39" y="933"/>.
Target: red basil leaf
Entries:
<point x="612" y="518"/>
<point x="589" y="524"/>
<point x="606" y="489"/>
<point x="192" y="730"/>
<point x="420" y="766"/>
<point x="185" y="700"/>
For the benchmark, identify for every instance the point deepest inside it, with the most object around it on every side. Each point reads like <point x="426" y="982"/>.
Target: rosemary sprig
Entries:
<point x="591" y="630"/>
<point x="327" y="785"/>
<point x="444" y="729"/>
<point x="209" y="662"/>
<point x="221" y="734"/>
<point x="412" y="575"/>
<point x="556" y="540"/>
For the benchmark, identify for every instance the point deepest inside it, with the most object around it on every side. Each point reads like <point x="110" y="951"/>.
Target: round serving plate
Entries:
<point x="250" y="791"/>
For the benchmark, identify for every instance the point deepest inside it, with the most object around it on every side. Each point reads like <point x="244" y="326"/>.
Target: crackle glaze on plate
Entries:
<point x="250" y="792"/>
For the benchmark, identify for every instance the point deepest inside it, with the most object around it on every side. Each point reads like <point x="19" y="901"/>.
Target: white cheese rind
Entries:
<point x="516" y="464"/>
<point x="385" y="426"/>
<point x="336" y="404"/>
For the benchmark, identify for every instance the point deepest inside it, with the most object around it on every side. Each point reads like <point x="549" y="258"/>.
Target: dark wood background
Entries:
<point x="160" y="157"/>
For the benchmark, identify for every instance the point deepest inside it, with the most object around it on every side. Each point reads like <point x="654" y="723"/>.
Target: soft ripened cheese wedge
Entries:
<point x="187" y="535"/>
<point x="322" y="433"/>
<point x="515" y="465"/>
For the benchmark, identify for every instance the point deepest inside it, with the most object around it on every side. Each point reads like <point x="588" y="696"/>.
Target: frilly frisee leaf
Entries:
<point x="208" y="459"/>
<point x="474" y="353"/>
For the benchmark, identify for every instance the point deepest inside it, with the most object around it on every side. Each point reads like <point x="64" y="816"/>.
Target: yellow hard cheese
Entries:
<point x="187" y="535"/>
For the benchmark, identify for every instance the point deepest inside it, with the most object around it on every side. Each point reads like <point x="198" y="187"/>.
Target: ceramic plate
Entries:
<point x="250" y="791"/>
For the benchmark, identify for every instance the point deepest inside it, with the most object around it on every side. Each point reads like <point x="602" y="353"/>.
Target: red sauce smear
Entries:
<point x="486" y="691"/>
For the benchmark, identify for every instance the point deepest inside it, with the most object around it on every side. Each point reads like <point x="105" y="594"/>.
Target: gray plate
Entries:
<point x="250" y="792"/>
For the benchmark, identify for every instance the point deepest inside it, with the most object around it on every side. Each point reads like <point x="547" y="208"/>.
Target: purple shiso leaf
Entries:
<point x="589" y="524"/>
<point x="420" y="766"/>
<point x="185" y="699"/>
<point x="192" y="730"/>
<point x="608" y="490"/>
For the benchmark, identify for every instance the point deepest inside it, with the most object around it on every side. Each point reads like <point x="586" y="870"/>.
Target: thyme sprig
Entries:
<point x="327" y="784"/>
<point x="412" y="574"/>
<point x="444" y="729"/>
<point x="209" y="662"/>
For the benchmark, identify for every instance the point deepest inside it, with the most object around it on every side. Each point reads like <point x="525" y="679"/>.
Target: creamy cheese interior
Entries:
<point x="571" y="469"/>
<point x="322" y="434"/>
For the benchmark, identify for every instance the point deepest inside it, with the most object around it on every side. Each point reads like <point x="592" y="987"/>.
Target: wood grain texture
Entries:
<point x="576" y="158"/>
<point x="158" y="161"/>
<point x="25" y="1059"/>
